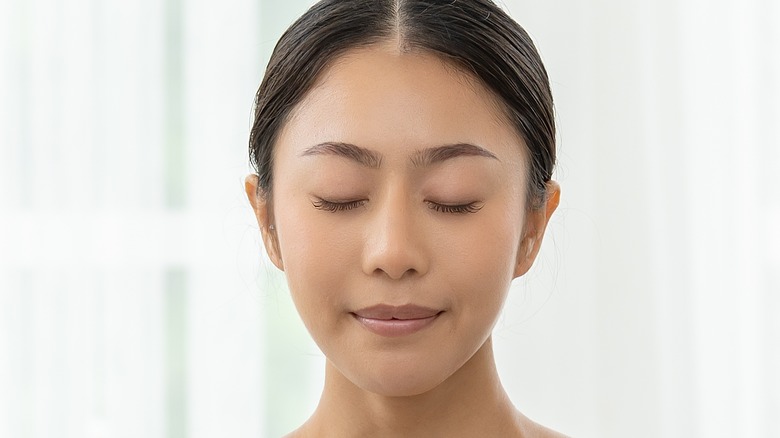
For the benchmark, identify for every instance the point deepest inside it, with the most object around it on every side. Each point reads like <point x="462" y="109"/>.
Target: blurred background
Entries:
<point x="135" y="300"/>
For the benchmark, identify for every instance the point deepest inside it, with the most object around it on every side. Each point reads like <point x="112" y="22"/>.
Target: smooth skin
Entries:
<point x="399" y="180"/>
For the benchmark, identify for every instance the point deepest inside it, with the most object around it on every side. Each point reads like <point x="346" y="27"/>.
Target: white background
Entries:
<point x="135" y="301"/>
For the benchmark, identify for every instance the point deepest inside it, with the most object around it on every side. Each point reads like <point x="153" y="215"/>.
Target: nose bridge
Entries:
<point x="394" y="245"/>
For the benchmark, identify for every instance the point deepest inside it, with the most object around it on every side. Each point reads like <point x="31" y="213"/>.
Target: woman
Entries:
<point x="404" y="151"/>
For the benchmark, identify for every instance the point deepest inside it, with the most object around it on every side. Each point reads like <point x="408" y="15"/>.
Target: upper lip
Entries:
<point x="387" y="311"/>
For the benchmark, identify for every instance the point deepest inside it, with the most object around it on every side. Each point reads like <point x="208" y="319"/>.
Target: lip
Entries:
<point x="395" y="321"/>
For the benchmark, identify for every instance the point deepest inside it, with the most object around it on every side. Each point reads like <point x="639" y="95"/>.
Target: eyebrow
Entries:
<point x="421" y="158"/>
<point x="434" y="155"/>
<point x="363" y="156"/>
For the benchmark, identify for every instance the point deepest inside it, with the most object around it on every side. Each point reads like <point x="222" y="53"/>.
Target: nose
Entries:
<point x="394" y="246"/>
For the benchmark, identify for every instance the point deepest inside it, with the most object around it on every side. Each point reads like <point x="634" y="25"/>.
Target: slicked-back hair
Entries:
<point x="474" y="35"/>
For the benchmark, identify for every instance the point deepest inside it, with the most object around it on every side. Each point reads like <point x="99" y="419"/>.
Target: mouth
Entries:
<point x="395" y="321"/>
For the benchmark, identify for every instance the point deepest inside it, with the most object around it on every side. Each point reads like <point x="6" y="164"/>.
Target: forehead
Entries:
<point x="397" y="101"/>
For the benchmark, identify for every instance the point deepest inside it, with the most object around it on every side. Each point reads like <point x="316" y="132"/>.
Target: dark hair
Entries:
<point x="475" y="35"/>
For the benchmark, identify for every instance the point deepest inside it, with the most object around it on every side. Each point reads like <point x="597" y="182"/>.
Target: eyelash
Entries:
<point x="322" y="204"/>
<point x="471" y="207"/>
<point x="330" y="206"/>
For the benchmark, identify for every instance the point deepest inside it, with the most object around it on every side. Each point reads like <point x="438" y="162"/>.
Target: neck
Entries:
<point x="471" y="402"/>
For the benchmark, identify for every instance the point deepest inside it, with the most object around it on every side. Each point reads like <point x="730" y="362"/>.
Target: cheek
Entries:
<point x="487" y="248"/>
<point x="482" y="263"/>
<point x="316" y="256"/>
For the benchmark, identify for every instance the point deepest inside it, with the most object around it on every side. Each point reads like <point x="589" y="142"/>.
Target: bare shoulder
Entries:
<point x="539" y="431"/>
<point x="298" y="433"/>
<point x="531" y="429"/>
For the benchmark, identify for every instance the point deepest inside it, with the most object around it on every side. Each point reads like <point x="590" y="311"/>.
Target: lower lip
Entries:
<point x="393" y="328"/>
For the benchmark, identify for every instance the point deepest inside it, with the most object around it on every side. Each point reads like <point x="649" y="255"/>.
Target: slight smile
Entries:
<point x="396" y="321"/>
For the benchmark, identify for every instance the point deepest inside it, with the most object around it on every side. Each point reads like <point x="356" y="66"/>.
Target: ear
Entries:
<point x="535" y="224"/>
<point x="261" y="204"/>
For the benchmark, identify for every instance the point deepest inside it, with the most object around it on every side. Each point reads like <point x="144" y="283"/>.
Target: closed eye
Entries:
<point x="334" y="206"/>
<point x="471" y="207"/>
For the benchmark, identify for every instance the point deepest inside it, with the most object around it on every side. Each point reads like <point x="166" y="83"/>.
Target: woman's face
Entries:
<point x="399" y="208"/>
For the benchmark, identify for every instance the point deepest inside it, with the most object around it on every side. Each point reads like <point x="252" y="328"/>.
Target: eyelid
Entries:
<point x="471" y="207"/>
<point x="334" y="206"/>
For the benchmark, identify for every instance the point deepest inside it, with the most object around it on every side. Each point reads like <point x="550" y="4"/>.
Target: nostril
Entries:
<point x="396" y="274"/>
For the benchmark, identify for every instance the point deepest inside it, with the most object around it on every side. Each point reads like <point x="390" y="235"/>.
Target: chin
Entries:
<point x="398" y="379"/>
<point x="389" y="387"/>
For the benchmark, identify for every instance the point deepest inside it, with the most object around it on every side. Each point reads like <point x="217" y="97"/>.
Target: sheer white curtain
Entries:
<point x="134" y="300"/>
<point x="666" y="249"/>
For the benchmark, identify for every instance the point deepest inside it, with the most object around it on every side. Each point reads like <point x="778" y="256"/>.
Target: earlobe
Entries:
<point x="264" y="215"/>
<point x="536" y="224"/>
